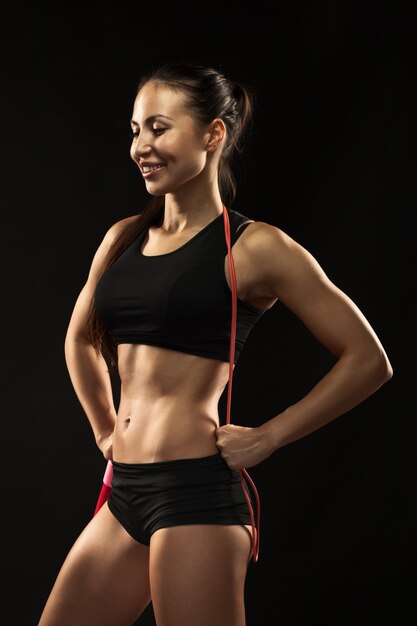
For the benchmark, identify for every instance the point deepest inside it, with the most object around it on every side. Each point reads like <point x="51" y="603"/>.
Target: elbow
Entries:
<point x="68" y="343"/>
<point x="389" y="370"/>
<point x="373" y="364"/>
<point x="381" y="366"/>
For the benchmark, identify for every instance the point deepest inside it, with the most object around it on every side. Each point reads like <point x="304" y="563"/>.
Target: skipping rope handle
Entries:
<point x="243" y="473"/>
<point x="106" y="487"/>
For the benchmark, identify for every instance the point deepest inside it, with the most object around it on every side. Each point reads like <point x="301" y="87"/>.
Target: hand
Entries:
<point x="241" y="447"/>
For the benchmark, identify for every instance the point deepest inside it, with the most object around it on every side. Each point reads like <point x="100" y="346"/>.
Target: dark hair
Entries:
<point x="210" y="95"/>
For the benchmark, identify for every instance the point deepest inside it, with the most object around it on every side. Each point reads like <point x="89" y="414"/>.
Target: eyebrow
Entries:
<point x="151" y="118"/>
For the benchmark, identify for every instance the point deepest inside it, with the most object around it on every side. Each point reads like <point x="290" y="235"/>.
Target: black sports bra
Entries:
<point x="178" y="300"/>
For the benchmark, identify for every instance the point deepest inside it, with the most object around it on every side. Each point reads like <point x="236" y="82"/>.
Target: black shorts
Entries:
<point x="203" y="490"/>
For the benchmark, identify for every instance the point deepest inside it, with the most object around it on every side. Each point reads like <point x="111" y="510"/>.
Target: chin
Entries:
<point x="157" y="190"/>
<point x="156" y="193"/>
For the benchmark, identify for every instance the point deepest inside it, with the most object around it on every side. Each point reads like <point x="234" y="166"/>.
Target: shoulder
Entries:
<point x="264" y="239"/>
<point x="100" y="256"/>
<point x="115" y="230"/>
<point x="277" y="256"/>
<point x="110" y="236"/>
<point x="119" y="227"/>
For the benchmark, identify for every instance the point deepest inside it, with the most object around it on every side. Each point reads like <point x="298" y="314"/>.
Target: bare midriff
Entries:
<point x="168" y="404"/>
<point x="169" y="399"/>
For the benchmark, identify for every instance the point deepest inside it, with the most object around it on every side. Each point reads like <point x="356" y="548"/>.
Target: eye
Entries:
<point x="156" y="131"/>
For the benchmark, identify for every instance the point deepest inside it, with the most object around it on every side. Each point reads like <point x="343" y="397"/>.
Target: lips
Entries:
<point x="149" y="168"/>
<point x="152" y="173"/>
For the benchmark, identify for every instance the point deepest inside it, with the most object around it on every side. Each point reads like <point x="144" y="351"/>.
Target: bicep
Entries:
<point x="295" y="277"/>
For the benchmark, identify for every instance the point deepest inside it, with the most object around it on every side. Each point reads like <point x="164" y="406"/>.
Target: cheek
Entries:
<point x="170" y="148"/>
<point x="180" y="149"/>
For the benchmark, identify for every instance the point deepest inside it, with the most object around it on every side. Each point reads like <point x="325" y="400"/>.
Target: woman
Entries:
<point x="156" y="305"/>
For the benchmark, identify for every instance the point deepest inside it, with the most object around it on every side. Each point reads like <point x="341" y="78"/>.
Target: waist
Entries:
<point x="166" y="435"/>
<point x="180" y="464"/>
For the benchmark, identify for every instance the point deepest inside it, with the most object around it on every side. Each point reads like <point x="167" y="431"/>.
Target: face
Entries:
<point x="168" y="144"/>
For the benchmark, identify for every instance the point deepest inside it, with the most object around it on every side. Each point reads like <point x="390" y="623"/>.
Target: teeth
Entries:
<point x="149" y="168"/>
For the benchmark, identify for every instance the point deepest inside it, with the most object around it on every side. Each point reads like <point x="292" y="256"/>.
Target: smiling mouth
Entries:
<point x="151" y="170"/>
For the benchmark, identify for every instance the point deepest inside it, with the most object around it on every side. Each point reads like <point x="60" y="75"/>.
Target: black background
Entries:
<point x="331" y="160"/>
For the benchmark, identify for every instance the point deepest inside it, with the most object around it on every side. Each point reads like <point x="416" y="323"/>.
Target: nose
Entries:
<point x="140" y="151"/>
<point x="141" y="147"/>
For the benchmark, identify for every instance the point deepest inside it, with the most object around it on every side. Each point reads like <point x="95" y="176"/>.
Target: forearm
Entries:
<point x="350" y="381"/>
<point x="91" y="381"/>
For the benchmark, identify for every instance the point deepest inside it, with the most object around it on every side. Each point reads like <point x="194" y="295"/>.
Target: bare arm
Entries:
<point x="292" y="274"/>
<point x="89" y="374"/>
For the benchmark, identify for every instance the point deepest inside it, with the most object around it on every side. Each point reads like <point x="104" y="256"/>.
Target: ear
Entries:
<point x="217" y="132"/>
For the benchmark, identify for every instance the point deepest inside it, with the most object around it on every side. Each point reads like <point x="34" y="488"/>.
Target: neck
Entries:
<point x="186" y="211"/>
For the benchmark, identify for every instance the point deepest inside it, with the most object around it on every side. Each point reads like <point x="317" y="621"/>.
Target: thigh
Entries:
<point x="197" y="574"/>
<point x="104" y="581"/>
